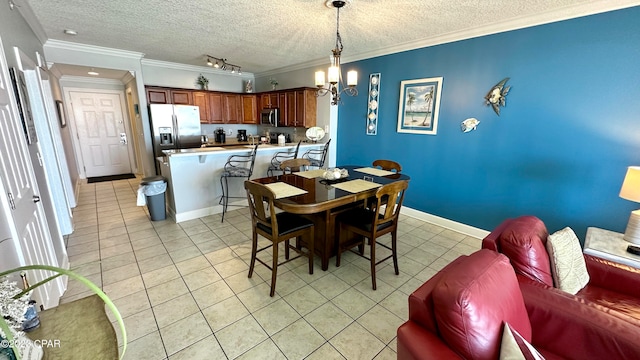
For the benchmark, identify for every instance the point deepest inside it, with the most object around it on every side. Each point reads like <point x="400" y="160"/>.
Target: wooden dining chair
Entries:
<point x="292" y="165"/>
<point x="370" y="223"/>
<point x="388" y="165"/>
<point x="277" y="228"/>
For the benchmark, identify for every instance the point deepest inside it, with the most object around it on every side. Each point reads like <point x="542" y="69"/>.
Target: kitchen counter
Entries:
<point x="230" y="149"/>
<point x="193" y="176"/>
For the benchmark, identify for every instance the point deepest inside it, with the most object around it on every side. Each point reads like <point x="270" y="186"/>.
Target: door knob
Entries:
<point x="36" y="198"/>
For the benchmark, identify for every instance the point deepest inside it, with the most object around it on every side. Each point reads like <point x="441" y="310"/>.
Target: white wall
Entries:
<point x="160" y="73"/>
<point x="326" y="116"/>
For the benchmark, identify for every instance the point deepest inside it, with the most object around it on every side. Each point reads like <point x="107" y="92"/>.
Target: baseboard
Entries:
<point x="445" y="223"/>
<point x="212" y="210"/>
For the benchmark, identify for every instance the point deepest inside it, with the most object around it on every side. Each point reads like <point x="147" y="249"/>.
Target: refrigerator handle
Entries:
<point x="176" y="130"/>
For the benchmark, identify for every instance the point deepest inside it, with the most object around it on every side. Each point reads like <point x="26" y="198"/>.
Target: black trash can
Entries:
<point x="154" y="189"/>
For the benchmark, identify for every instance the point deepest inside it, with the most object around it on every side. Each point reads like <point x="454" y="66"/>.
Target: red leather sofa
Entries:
<point x="612" y="287"/>
<point x="460" y="312"/>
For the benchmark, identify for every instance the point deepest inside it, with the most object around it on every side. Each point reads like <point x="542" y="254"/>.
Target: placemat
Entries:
<point x="374" y="171"/>
<point x="356" y="186"/>
<point x="283" y="190"/>
<point x="310" y="174"/>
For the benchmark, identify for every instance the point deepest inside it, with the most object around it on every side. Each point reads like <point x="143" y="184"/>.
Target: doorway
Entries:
<point x="102" y="131"/>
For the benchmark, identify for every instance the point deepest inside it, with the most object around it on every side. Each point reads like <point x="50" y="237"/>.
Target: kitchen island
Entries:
<point x="193" y="176"/>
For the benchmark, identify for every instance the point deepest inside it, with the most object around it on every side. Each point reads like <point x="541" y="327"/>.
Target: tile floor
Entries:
<point x="184" y="293"/>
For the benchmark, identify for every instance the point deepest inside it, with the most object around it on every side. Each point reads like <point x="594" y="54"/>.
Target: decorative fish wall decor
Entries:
<point x="496" y="97"/>
<point x="469" y="124"/>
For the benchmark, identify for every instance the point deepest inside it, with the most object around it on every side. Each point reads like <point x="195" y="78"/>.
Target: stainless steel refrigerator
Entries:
<point x="174" y="127"/>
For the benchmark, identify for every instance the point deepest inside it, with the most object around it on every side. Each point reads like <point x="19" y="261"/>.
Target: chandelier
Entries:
<point x="222" y="64"/>
<point x="334" y="74"/>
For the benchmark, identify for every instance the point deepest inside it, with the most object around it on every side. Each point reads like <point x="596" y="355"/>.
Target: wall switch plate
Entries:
<point x="229" y="132"/>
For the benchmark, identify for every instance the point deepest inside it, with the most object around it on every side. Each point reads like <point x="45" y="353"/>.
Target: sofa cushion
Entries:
<point x="465" y="302"/>
<point x="523" y="241"/>
<point x="567" y="262"/>
<point x="515" y="347"/>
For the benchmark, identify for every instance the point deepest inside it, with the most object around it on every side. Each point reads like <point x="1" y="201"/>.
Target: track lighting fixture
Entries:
<point x="222" y="64"/>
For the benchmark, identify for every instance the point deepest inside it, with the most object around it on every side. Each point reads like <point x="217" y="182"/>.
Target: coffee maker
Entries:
<point x="220" y="135"/>
<point x="242" y="135"/>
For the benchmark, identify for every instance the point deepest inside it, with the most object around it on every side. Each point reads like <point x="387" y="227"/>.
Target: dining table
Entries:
<point x="310" y="194"/>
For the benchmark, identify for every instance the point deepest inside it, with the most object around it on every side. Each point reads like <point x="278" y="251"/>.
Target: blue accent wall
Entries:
<point x="559" y="149"/>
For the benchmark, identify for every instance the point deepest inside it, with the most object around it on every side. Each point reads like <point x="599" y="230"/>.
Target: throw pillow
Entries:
<point x="514" y="347"/>
<point x="567" y="262"/>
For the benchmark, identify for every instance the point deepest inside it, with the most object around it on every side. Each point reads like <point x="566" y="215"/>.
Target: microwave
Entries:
<point x="270" y="117"/>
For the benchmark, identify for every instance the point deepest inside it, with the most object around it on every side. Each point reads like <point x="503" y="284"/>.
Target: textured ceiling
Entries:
<point x="263" y="35"/>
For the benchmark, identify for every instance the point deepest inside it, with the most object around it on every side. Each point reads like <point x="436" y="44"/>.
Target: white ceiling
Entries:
<point x="265" y="35"/>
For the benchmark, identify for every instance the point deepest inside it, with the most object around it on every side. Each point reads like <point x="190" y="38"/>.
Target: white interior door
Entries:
<point x="26" y="215"/>
<point x="101" y="130"/>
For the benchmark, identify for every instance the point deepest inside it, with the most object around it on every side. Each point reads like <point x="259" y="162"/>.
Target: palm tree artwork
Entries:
<point x="411" y="99"/>
<point x="419" y="105"/>
<point x="428" y="98"/>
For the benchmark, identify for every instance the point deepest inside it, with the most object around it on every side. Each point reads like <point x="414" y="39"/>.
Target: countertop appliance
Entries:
<point x="270" y="117"/>
<point x="220" y="135"/>
<point x="242" y="135"/>
<point x="175" y="127"/>
<point x="273" y="138"/>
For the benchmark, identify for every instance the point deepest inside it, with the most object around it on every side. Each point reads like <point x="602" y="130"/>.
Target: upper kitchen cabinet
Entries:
<point x="300" y="108"/>
<point x="181" y="97"/>
<point x="269" y="100"/>
<point x="201" y="100"/>
<point x="158" y="96"/>
<point x="249" y="109"/>
<point x="231" y="109"/>
<point x="215" y="108"/>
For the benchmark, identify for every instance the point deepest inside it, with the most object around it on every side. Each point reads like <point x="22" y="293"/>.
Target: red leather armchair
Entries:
<point x="460" y="312"/>
<point x="613" y="286"/>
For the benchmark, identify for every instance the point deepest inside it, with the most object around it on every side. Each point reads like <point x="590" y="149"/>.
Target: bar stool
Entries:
<point x="279" y="157"/>
<point x="316" y="156"/>
<point x="237" y="166"/>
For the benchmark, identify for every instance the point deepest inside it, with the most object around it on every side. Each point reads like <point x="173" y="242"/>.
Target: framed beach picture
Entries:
<point x="419" y="106"/>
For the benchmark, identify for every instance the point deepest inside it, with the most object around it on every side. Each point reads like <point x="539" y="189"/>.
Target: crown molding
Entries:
<point x="566" y="13"/>
<point x="557" y="15"/>
<point x="91" y="80"/>
<point x="99" y="50"/>
<point x="187" y="67"/>
<point x="30" y="17"/>
<point x="129" y="76"/>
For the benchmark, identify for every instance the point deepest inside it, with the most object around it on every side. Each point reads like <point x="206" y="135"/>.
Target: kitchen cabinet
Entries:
<point x="231" y="109"/>
<point x="289" y="111"/>
<point x="249" y="109"/>
<point x="306" y="108"/>
<point x="158" y="96"/>
<point x="201" y="100"/>
<point x="269" y="100"/>
<point x="181" y="97"/>
<point x="215" y="108"/>
<point x="297" y="106"/>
